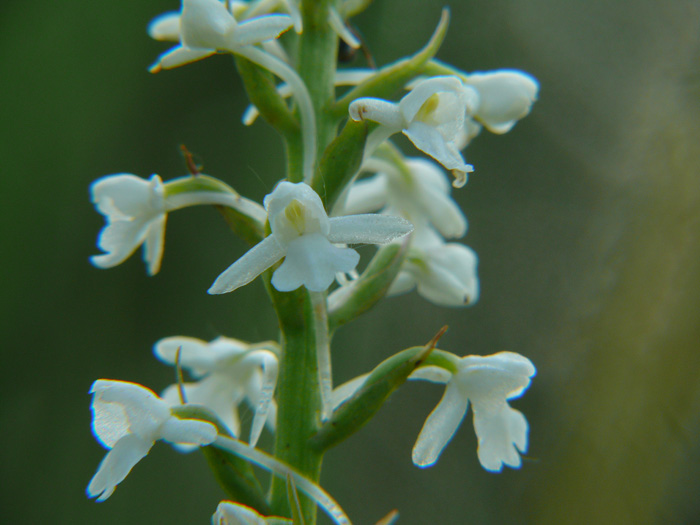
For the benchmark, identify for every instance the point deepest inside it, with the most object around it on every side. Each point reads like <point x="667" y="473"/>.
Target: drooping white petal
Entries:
<point x="441" y="425"/>
<point x="260" y="29"/>
<point x="154" y="244"/>
<point x="336" y="22"/>
<point x="368" y="228"/>
<point x="428" y="139"/>
<point x="500" y="430"/>
<point x="269" y="364"/>
<point x="451" y="277"/>
<point x="254" y="262"/>
<point x="312" y="261"/>
<point x="115" y="466"/>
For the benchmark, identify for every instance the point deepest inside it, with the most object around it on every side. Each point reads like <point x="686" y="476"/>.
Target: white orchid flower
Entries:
<point x="304" y="236"/>
<point x="231" y="513"/>
<point x="443" y="273"/>
<point x="136" y="212"/>
<point x="505" y="96"/>
<point x="431" y="115"/>
<point x="166" y="27"/>
<point x="417" y="190"/>
<point x="206" y="27"/>
<point x="229" y="371"/>
<point x="488" y="382"/>
<point x="127" y="419"/>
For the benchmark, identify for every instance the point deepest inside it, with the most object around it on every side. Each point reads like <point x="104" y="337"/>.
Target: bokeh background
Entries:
<point x="585" y="218"/>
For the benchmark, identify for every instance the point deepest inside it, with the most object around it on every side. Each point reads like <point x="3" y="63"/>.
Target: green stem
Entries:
<point x="298" y="395"/>
<point x="318" y="52"/>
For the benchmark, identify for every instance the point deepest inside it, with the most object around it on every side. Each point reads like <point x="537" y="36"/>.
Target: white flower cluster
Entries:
<point x="128" y="418"/>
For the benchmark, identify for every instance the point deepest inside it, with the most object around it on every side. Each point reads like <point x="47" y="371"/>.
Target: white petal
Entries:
<point x="217" y="393"/>
<point x="412" y="103"/>
<point x="154" y="244"/>
<point x="119" y="240"/>
<point x="179" y="56"/>
<point x="116" y="465"/>
<point x="368" y="229"/>
<point x="336" y="22"/>
<point x="451" y="278"/>
<point x="165" y="27"/>
<point x="268" y="360"/>
<point x="127" y="195"/>
<point x="496" y="377"/>
<point x="404" y="282"/>
<point x="499" y="430"/>
<point x="196" y="355"/>
<point x="441" y="425"/>
<point x="188" y="431"/>
<point x="230" y="513"/>
<point x="366" y="195"/>
<point x="343" y="392"/>
<point x="205" y="24"/>
<point x="429" y="140"/>
<point x="312" y="261"/>
<point x="259" y="29"/>
<point x="505" y="97"/>
<point x="434" y="374"/>
<point x="254" y="262"/>
<point x="144" y="411"/>
<point x="377" y="110"/>
<point x="314" y="218"/>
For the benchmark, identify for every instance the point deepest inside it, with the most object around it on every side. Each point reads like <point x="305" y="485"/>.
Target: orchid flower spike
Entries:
<point x="431" y="115"/>
<point x="127" y="419"/>
<point x="443" y="273"/>
<point x="488" y="382"/>
<point x="417" y="189"/>
<point x="136" y="211"/>
<point x="505" y="96"/>
<point x="229" y="371"/>
<point x="304" y="236"/>
<point x="231" y="513"/>
<point x="206" y="27"/>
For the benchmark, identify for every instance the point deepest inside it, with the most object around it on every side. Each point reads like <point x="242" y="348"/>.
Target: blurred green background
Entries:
<point x="585" y="218"/>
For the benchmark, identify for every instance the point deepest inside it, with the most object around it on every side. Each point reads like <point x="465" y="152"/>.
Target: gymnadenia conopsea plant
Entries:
<point x="346" y="183"/>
